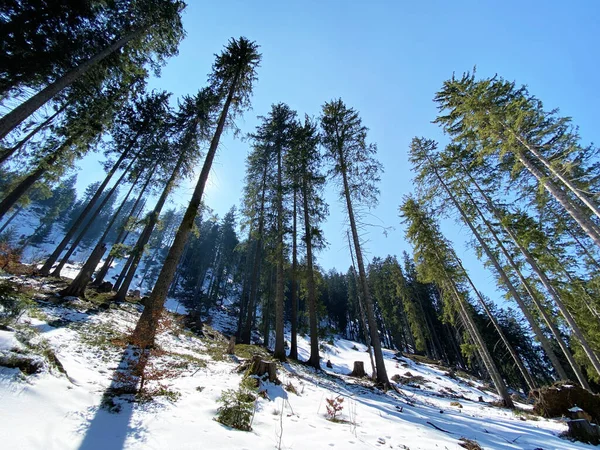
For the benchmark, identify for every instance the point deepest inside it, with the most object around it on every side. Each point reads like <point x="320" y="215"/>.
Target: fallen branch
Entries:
<point x="439" y="429"/>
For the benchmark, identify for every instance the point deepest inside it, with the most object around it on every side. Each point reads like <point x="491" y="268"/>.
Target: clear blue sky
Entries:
<point x="387" y="59"/>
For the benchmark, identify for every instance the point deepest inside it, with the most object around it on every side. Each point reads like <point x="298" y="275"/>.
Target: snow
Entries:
<point x="9" y="342"/>
<point x="52" y="411"/>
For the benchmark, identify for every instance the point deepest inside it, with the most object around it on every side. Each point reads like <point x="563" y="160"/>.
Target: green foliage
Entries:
<point x="237" y="410"/>
<point x="13" y="304"/>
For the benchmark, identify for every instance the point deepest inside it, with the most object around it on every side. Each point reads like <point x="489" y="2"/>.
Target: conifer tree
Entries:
<point x="352" y="160"/>
<point x="232" y="79"/>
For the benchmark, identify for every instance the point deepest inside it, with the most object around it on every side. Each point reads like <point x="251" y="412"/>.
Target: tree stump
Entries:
<point x="260" y="368"/>
<point x="359" y="370"/>
<point x="231" y="346"/>
<point x="583" y="431"/>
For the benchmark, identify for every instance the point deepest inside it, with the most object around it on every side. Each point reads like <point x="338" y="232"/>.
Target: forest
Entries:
<point x="515" y="175"/>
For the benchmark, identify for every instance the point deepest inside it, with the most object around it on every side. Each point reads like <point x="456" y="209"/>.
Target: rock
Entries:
<point x="136" y="295"/>
<point x="329" y="364"/>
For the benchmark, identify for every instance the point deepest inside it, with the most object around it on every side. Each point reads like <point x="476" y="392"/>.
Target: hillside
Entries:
<point x="81" y="343"/>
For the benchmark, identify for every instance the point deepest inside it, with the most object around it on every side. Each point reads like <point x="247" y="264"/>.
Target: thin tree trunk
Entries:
<point x="543" y="278"/>
<point x="252" y="301"/>
<point x="524" y="372"/>
<point x="361" y="307"/>
<point x="511" y="288"/>
<point x="314" y="359"/>
<point x="294" y="293"/>
<point x="145" y="329"/>
<point x="488" y="361"/>
<point x="18" y="209"/>
<point x="78" y="285"/>
<point x="96" y="213"/>
<point x="382" y="377"/>
<point x="123" y="233"/>
<point x="279" y="352"/>
<point x="15" y="148"/>
<point x="578" y="193"/>
<point x="11" y="120"/>
<point x="13" y="197"/>
<point x="138" y="251"/>
<point x="575" y="212"/>
<point x="47" y="267"/>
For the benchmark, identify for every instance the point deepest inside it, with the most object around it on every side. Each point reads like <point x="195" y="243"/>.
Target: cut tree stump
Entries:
<point x="260" y="368"/>
<point x="231" y="346"/>
<point x="583" y="431"/>
<point x="359" y="370"/>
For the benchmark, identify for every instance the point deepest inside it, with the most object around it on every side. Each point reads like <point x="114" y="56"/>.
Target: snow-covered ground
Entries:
<point x="51" y="410"/>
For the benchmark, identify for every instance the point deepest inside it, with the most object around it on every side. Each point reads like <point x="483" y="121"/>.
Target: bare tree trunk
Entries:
<point x="543" y="278"/>
<point x="11" y="120"/>
<point x="531" y="384"/>
<point x="106" y="266"/>
<point x="13" y="196"/>
<point x="382" y="377"/>
<point x="511" y="288"/>
<point x="85" y="276"/>
<point x="575" y="212"/>
<point x="294" y="293"/>
<point x="138" y="251"/>
<point x="15" y="148"/>
<point x="577" y="192"/>
<point x="255" y="280"/>
<point x="361" y="307"/>
<point x="17" y="211"/>
<point x="314" y="359"/>
<point x="47" y="267"/>
<point x="279" y="351"/>
<point x="145" y="329"/>
<point x="96" y="213"/>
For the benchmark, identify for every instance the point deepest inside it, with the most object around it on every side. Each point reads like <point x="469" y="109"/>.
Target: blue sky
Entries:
<point x="387" y="59"/>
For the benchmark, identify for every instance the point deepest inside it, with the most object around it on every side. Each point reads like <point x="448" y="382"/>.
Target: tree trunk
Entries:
<point x="96" y="213"/>
<point x="511" y="288"/>
<point x="531" y="293"/>
<point x="18" y="209"/>
<point x="522" y="369"/>
<point x="545" y="281"/>
<point x="138" y="251"/>
<point x="45" y="270"/>
<point x="123" y="233"/>
<point x="85" y="279"/>
<point x="575" y="212"/>
<point x="487" y="359"/>
<point x="578" y="193"/>
<point x="11" y="120"/>
<point x="314" y="360"/>
<point x="15" y="148"/>
<point x="361" y="307"/>
<point x="78" y="285"/>
<point x="294" y="293"/>
<point x="252" y="301"/>
<point x="145" y="329"/>
<point x="382" y="377"/>
<point x="13" y="196"/>
<point x="279" y="352"/>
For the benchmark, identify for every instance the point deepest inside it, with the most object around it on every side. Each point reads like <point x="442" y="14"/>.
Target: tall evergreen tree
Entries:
<point x="344" y="140"/>
<point x="232" y="79"/>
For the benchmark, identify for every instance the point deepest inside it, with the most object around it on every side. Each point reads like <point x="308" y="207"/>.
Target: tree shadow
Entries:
<point x="112" y="424"/>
